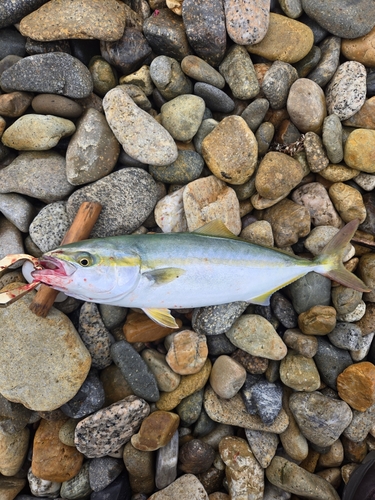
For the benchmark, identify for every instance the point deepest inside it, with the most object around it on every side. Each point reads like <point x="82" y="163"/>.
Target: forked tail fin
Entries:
<point x="332" y="256"/>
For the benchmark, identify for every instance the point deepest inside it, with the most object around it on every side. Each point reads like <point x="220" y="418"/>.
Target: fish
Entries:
<point x="163" y="271"/>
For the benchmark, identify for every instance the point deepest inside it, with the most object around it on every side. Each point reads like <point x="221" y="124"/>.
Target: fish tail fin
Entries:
<point x="332" y="256"/>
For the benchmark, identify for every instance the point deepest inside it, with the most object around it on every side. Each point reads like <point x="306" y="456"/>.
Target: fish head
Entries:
<point x="90" y="271"/>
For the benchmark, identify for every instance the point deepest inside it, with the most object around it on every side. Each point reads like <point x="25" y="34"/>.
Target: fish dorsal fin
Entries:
<point x="164" y="275"/>
<point x="216" y="228"/>
<point x="162" y="317"/>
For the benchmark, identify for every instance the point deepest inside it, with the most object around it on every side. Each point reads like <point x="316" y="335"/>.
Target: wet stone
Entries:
<point x="186" y="168"/>
<point x="166" y="34"/>
<point x="128" y="53"/>
<point x="95" y="335"/>
<point x="118" y="193"/>
<point x="215" y="99"/>
<point x="277" y="82"/>
<point x="205" y="28"/>
<point x="92" y="151"/>
<point x="63" y="74"/>
<point x="201" y="71"/>
<point x="238" y="71"/>
<point x="108" y="429"/>
<point x="329" y="61"/>
<point x="88" y="399"/>
<point x="331" y="361"/>
<point x="320" y="418"/>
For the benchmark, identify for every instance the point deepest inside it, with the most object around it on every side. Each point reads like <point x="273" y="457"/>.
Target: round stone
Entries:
<point x="182" y="116"/>
<point x="299" y="372"/>
<point x="319" y="320"/>
<point x="227" y="377"/>
<point x="306" y="105"/>
<point x="170" y="80"/>
<point x="187" y="353"/>
<point x="360" y="49"/>
<point x="359" y="150"/>
<point x="277" y="82"/>
<point x="348" y="202"/>
<point x="315" y="198"/>
<point x="215" y="99"/>
<point x="331" y="361"/>
<point x="329" y="61"/>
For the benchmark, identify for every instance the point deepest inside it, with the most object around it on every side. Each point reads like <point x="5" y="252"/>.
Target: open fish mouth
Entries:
<point x="52" y="268"/>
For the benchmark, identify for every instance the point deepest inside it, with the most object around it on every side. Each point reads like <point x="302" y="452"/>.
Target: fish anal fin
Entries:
<point x="216" y="228"/>
<point x="164" y="275"/>
<point x="162" y="317"/>
<point x="348" y="279"/>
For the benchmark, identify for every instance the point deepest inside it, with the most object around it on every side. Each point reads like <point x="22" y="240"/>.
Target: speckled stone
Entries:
<point x="215" y="99"/>
<point x="230" y="150"/>
<point x="245" y="477"/>
<point x="215" y="320"/>
<point x="277" y="82"/>
<point x="186" y="168"/>
<point x="165" y="32"/>
<point x="135" y="370"/>
<point x="343" y="19"/>
<point x="361" y="424"/>
<point x="346" y="336"/>
<point x="266" y="397"/>
<point x="263" y="445"/>
<point x="18" y="210"/>
<point x="286" y="40"/>
<point x="42" y="486"/>
<point x="92" y="151"/>
<point x="12" y="11"/>
<point x="205" y="28"/>
<point x="104" y="20"/>
<point x="359" y="149"/>
<point x="52" y="104"/>
<point x="331" y="361"/>
<point x="329" y="61"/>
<point x="238" y="71"/>
<point x="155" y="147"/>
<point x="346" y="92"/>
<point x="88" y="399"/>
<point x="186" y="485"/>
<point x="64" y="75"/>
<point x="201" y="71"/>
<point x="108" y="429"/>
<point x="102" y="471"/>
<point x="290" y="477"/>
<point x="10" y="238"/>
<point x="247" y="22"/>
<point x="306" y="105"/>
<point x="320" y="418"/>
<point x="299" y="372"/>
<point x="47" y="130"/>
<point x="118" y="193"/>
<point x="170" y="80"/>
<point x="348" y="202"/>
<point x="50" y="225"/>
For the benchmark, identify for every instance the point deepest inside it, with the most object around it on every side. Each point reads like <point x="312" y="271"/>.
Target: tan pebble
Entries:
<point x="332" y="476"/>
<point x="277" y="175"/>
<point x="299" y="372"/>
<point x="359" y="150"/>
<point x="367" y="322"/>
<point x="365" y="117"/>
<point x="15" y="104"/>
<point x="289" y="222"/>
<point x="347" y="470"/>
<point x="13" y="450"/>
<point x="356" y="385"/>
<point x="334" y="457"/>
<point x="141" y="78"/>
<point x="218" y="496"/>
<point x="209" y="198"/>
<point x="188" y="352"/>
<point x="52" y="460"/>
<point x="104" y="77"/>
<point x="306" y="345"/>
<point x="311" y="461"/>
<point x="140" y="328"/>
<point x="348" y="202"/>
<point x="11" y="486"/>
<point x="260" y="203"/>
<point x="175" y="6"/>
<point x="188" y="385"/>
<point x="306" y="105"/>
<point x="166" y="378"/>
<point x="286" y="40"/>
<point x="293" y="441"/>
<point x="156" y="431"/>
<point x="186" y="486"/>
<point x="231" y="150"/>
<point x="318" y="320"/>
<point x="227" y="377"/>
<point x="338" y="173"/>
<point x="245" y="207"/>
<point x="361" y="49"/>
<point x="259" y="232"/>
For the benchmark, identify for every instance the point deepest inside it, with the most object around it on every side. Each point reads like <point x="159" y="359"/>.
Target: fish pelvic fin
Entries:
<point x="161" y="316"/>
<point x="332" y="256"/>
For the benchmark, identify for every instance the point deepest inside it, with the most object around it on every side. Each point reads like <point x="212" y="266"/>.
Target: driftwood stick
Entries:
<point x="80" y="229"/>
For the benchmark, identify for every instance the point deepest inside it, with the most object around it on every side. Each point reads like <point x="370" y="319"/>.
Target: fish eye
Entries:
<point x="84" y="260"/>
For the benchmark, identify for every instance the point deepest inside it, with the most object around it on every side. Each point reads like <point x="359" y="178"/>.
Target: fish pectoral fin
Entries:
<point x="262" y="300"/>
<point x="165" y="275"/>
<point x="216" y="228"/>
<point x="162" y="317"/>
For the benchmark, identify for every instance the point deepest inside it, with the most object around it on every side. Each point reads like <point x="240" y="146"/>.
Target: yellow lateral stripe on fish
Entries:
<point x="158" y="272"/>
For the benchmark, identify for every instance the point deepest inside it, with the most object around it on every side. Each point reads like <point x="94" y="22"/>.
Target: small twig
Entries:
<point x="80" y="229"/>
<point x="289" y="149"/>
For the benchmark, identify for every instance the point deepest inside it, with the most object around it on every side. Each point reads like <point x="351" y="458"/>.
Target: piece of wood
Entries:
<point x="80" y="229"/>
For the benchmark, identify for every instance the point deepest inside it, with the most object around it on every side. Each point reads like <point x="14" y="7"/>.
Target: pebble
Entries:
<point x="267" y="398"/>
<point x="216" y="320"/>
<point x="293" y="441"/>
<point x="286" y="40"/>
<point x="320" y="418"/>
<point x="187" y="352"/>
<point x="201" y="71"/>
<point x="332" y="138"/>
<point x="52" y="104"/>
<point x="88" y="399"/>
<point x="167" y="380"/>
<point x="186" y="168"/>
<point x="10" y="238"/>
<point x="118" y="193"/>
<point x="156" y="147"/>
<point x="329" y="61"/>
<point x="62" y="73"/>
<point x="169" y="78"/>
<point x="196" y="456"/>
<point x="190" y="408"/>
<point x="290" y="477"/>
<point x="259" y="232"/>
<point x="339" y="173"/>
<point x="238" y="70"/>
<point x="331" y="361"/>
<point x="306" y="105"/>
<point x="135" y="370"/>
<point x="310" y="290"/>
<point x="62" y="20"/>
<point x="39" y="174"/>
<point x="119" y="489"/>
<point x="346" y="92"/>
<point x="205" y="29"/>
<point x="277" y="175"/>
<point x="361" y="424"/>
<point x="316" y="157"/>
<point x="346" y="336"/>
<point x="37" y="381"/>
<point x="93" y="150"/>
<point x="169" y="213"/>
<point x="318" y="320"/>
<point x="106" y="430"/>
<point x="305" y="345"/>
<point x="245" y="477"/>
<point x="47" y="131"/>
<point x="358" y="150"/>
<point x="186" y="486"/>
<point x="263" y="445"/>
<point x="140" y="328"/>
<point x="254" y="334"/>
<point x="356" y="385"/>
<point x="79" y="485"/>
<point x="52" y="460"/>
<point x="255" y="112"/>
<point x="252" y="364"/>
<point x="48" y="228"/>
<point x="214" y="98"/>
<point x="348" y="202"/>
<point x="166" y="463"/>
<point x="320" y="236"/>
<point x="156" y="431"/>
<point x="233" y="412"/>
<point x="140" y="467"/>
<point x="66" y="432"/>
<point x="227" y="377"/>
<point x="104" y="76"/>
<point x="41" y="486"/>
<point x="141" y="78"/>
<point x="366" y="323"/>
<point x="209" y="198"/>
<point x="18" y="210"/>
<point x="299" y="372"/>
<point x="13" y="451"/>
<point x="344" y="20"/>
<point x="277" y="82"/>
<point x="14" y="104"/>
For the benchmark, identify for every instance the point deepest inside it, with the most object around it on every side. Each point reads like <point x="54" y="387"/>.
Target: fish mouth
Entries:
<point x="52" y="268"/>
